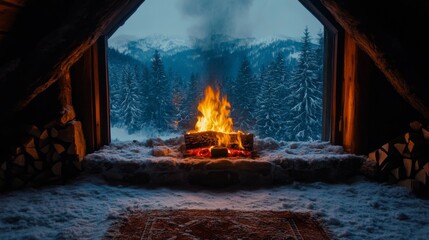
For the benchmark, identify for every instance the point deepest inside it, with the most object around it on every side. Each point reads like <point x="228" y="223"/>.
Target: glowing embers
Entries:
<point x="205" y="144"/>
<point x="217" y="152"/>
<point x="214" y="135"/>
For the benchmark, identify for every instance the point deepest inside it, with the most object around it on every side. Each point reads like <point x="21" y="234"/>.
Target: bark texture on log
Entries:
<point x="389" y="37"/>
<point x="53" y="155"/>
<point x="210" y="138"/>
<point x="67" y="112"/>
<point x="403" y="160"/>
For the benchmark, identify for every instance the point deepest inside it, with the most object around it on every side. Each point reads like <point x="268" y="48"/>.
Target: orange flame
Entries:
<point x="215" y="117"/>
<point x="215" y="113"/>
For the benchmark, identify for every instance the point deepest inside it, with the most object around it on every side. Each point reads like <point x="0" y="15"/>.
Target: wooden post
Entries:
<point x="389" y="47"/>
<point x="91" y="97"/>
<point x="355" y="97"/>
<point x="67" y="112"/>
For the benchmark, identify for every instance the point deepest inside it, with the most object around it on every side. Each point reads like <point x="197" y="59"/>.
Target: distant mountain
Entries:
<point x="196" y="55"/>
<point x="166" y="45"/>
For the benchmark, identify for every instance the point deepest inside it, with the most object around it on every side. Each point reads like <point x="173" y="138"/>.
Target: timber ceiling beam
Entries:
<point x="53" y="35"/>
<point x="388" y="31"/>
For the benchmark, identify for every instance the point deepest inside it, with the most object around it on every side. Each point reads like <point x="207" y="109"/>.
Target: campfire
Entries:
<point x="214" y="135"/>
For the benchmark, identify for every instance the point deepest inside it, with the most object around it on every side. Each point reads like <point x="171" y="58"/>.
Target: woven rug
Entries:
<point x="216" y="224"/>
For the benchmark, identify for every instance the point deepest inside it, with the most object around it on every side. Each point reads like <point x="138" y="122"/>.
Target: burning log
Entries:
<point x="210" y="138"/>
<point x="214" y="135"/>
<point x="206" y="144"/>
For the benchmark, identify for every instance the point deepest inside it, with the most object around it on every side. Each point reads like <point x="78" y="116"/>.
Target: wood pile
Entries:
<point x="405" y="159"/>
<point x="46" y="154"/>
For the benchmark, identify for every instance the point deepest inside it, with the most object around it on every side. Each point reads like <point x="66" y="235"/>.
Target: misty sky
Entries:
<point x="237" y="18"/>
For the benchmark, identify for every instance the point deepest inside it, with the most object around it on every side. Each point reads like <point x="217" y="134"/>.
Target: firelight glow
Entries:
<point x="215" y="117"/>
<point x="215" y="113"/>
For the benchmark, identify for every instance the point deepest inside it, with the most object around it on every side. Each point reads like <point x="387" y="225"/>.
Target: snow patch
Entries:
<point x="85" y="208"/>
<point x="121" y="135"/>
<point x="166" y="44"/>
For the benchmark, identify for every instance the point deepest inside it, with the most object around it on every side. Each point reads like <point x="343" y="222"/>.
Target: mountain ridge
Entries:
<point x="166" y="43"/>
<point x="188" y="55"/>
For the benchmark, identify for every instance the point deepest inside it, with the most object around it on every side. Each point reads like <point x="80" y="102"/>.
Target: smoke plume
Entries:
<point x="215" y="20"/>
<point x="217" y="16"/>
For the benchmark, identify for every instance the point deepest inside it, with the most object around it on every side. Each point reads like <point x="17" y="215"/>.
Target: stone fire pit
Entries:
<point x="159" y="162"/>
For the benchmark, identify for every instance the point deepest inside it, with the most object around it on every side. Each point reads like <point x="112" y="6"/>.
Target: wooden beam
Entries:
<point x="84" y="95"/>
<point x="355" y="97"/>
<point x="381" y="30"/>
<point x="81" y="24"/>
<point x="18" y="3"/>
<point x="103" y="96"/>
<point x="8" y="15"/>
<point x="90" y="95"/>
<point x="350" y="93"/>
<point x="67" y="112"/>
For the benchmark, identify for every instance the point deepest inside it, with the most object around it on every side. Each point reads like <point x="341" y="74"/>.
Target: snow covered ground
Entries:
<point x="84" y="209"/>
<point x="119" y="135"/>
<point x="158" y="162"/>
<point x="146" y="147"/>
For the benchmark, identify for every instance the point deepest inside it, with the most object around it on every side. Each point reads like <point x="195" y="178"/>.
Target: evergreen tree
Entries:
<point x="115" y="93"/>
<point x="320" y="58"/>
<point x="178" y="100"/>
<point x="243" y="104"/>
<point x="145" y="88"/>
<point x="158" y="104"/>
<point x="279" y="77"/>
<point x="305" y="122"/>
<point x="319" y="52"/>
<point x="272" y="111"/>
<point x="266" y="115"/>
<point x="190" y="113"/>
<point x="130" y="103"/>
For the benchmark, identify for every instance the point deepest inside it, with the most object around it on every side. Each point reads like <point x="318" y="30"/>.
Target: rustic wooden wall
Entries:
<point x="390" y="33"/>
<point x="90" y="94"/>
<point x="40" y="40"/>
<point x="373" y="113"/>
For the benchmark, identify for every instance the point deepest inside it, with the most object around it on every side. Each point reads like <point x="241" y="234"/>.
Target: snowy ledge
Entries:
<point x="159" y="162"/>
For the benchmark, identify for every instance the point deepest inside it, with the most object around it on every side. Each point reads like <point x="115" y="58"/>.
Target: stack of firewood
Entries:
<point x="46" y="154"/>
<point x="405" y="159"/>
